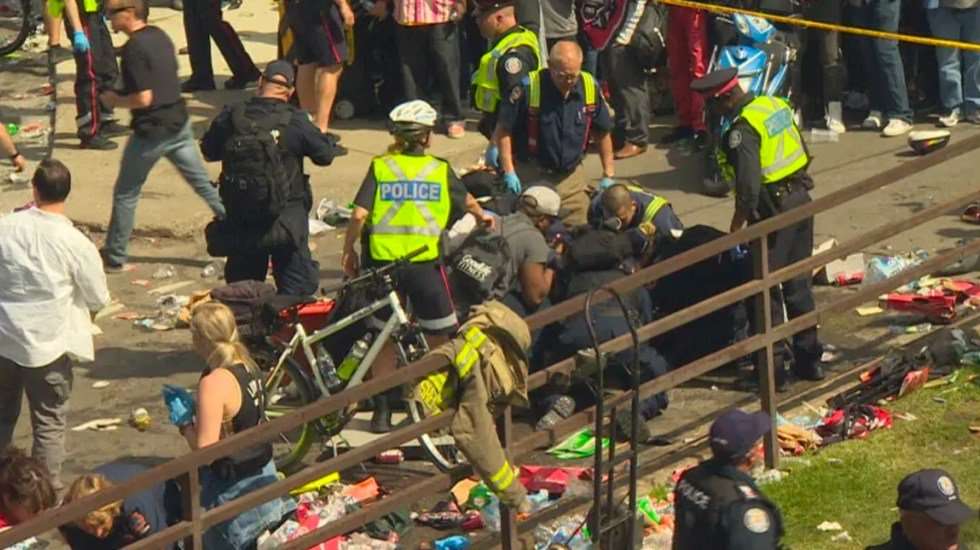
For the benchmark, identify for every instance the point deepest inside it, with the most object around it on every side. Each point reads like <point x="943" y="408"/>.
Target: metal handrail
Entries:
<point x="185" y="467"/>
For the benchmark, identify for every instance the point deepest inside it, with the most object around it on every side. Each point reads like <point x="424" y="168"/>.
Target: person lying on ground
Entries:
<point x="25" y="488"/>
<point x="230" y="400"/>
<point x="123" y="522"/>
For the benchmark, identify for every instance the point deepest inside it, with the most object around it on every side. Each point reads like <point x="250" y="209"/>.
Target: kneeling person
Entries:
<point x="261" y="144"/>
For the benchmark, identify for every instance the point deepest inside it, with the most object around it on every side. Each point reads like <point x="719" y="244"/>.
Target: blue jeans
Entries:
<point x="882" y="60"/>
<point x="241" y="531"/>
<point x="139" y="157"/>
<point x="959" y="85"/>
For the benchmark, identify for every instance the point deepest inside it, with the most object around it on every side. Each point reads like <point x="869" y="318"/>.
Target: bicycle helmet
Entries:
<point x="926" y="141"/>
<point x="413" y="117"/>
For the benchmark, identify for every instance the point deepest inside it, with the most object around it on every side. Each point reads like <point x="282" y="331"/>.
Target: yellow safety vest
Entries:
<point x="534" y="107"/>
<point x="57" y="7"/>
<point x="656" y="203"/>
<point x="781" y="153"/>
<point x="411" y="206"/>
<point x="486" y="94"/>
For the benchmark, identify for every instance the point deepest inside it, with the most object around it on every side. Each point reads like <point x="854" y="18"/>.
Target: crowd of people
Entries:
<point x="527" y="229"/>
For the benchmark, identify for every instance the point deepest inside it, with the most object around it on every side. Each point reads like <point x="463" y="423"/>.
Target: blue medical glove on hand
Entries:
<point x="512" y="182"/>
<point x="180" y="403"/>
<point x="491" y="157"/>
<point x="605" y="183"/>
<point x="79" y="42"/>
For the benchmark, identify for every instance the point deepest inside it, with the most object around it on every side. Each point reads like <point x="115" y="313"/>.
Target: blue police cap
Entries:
<point x="734" y="433"/>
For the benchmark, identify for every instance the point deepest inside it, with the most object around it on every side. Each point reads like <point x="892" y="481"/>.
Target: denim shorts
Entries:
<point x="241" y="531"/>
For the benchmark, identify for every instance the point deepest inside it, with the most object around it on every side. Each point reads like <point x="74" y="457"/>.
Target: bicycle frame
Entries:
<point x="306" y="341"/>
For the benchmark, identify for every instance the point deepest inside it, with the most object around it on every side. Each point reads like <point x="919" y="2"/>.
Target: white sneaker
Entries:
<point x="896" y="127"/>
<point x="873" y="121"/>
<point x="835" y="117"/>
<point x="950" y="119"/>
<point x="835" y="125"/>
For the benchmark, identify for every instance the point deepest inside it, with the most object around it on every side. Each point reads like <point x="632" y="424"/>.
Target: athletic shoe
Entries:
<point x="873" y="121"/>
<point x="950" y="119"/>
<point x="113" y="129"/>
<point x="98" y="142"/>
<point x="191" y="86"/>
<point x="562" y="408"/>
<point x="896" y="127"/>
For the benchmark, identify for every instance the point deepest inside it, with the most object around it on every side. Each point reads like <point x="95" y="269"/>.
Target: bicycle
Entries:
<point x="292" y="383"/>
<point x="16" y="24"/>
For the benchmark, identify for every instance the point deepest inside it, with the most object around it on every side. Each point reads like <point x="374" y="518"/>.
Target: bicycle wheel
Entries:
<point x="285" y="391"/>
<point x="440" y="448"/>
<point x="15" y="24"/>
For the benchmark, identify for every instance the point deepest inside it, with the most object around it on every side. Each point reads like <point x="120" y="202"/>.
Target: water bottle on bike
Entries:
<point x="328" y="371"/>
<point x="354" y="358"/>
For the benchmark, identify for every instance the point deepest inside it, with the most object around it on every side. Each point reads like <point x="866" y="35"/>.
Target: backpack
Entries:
<point x="255" y="184"/>
<point x="598" y="249"/>
<point x="480" y="269"/>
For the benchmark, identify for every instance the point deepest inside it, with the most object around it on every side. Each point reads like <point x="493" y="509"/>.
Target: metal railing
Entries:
<point x="185" y="468"/>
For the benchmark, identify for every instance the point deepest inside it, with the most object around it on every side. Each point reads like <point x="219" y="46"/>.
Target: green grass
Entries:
<point x="860" y="491"/>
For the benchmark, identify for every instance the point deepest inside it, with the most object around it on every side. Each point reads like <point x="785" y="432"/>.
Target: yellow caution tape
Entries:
<point x="911" y="38"/>
<point x="316" y="484"/>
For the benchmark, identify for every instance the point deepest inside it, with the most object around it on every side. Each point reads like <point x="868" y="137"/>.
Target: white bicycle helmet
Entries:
<point x="415" y="114"/>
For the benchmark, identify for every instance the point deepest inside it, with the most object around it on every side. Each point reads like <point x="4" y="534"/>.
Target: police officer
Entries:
<point x="406" y="201"/>
<point x="766" y="152"/>
<point x="623" y="207"/>
<point x="543" y="130"/>
<point x="717" y="503"/>
<point x="95" y="70"/>
<point x="514" y="52"/>
<point x="285" y="237"/>
<point x="930" y="512"/>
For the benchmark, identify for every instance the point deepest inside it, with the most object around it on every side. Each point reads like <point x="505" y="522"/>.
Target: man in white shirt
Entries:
<point x="52" y="282"/>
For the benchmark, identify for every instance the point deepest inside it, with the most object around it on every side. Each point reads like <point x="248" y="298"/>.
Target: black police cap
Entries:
<point x="487" y="6"/>
<point x="716" y="82"/>
<point x="934" y="493"/>
<point x="733" y="434"/>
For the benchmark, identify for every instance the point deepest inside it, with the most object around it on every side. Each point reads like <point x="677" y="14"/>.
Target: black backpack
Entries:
<point x="480" y="269"/>
<point x="255" y="183"/>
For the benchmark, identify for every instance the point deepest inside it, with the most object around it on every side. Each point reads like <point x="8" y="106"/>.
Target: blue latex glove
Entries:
<point x="79" y="42"/>
<point x="605" y="183"/>
<point x="491" y="157"/>
<point x="512" y="182"/>
<point x="180" y="403"/>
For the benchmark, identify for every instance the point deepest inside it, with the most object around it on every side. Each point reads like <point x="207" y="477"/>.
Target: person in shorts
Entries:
<point x="320" y="49"/>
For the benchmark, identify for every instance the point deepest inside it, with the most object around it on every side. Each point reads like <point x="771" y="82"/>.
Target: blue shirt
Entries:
<point x="563" y="123"/>
<point x="665" y="220"/>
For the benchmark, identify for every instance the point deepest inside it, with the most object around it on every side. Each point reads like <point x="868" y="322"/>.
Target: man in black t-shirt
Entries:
<point x="161" y="127"/>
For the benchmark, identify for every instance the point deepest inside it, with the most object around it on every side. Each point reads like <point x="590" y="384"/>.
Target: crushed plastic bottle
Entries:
<point x="455" y="542"/>
<point x="491" y="514"/>
<point x="884" y="267"/>
<point x="539" y="500"/>
<point x="820" y="135"/>
<point x="164" y="272"/>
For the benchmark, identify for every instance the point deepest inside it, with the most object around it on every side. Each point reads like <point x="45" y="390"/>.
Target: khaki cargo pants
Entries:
<point x="573" y="188"/>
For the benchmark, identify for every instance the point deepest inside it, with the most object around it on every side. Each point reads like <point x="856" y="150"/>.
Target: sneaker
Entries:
<point x="98" y="142"/>
<point x="835" y="125"/>
<point x="950" y="119"/>
<point x="113" y="129"/>
<point x="456" y="130"/>
<point x="191" y="86"/>
<point x="240" y="83"/>
<point x="110" y="266"/>
<point x="873" y="121"/>
<point x="896" y="127"/>
<point x="677" y="134"/>
<point x="562" y="408"/>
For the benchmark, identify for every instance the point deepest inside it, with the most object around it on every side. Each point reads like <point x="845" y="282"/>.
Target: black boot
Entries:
<point x="811" y="371"/>
<point x="381" y="419"/>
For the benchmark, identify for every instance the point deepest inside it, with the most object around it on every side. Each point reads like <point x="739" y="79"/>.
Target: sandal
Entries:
<point x="972" y="213"/>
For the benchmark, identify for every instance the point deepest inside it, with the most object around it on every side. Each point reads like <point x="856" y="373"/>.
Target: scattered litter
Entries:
<point x="140" y="419"/>
<point x="447" y="515"/>
<point x="830" y="354"/>
<point x="166" y="289"/>
<point x="714" y="387"/>
<point x="461" y="491"/>
<point x="562" y="533"/>
<point x="99" y="384"/>
<point x="939" y="400"/>
<point x="172" y="301"/>
<point x="329" y="212"/>
<point x="554" y="480"/>
<point x="99" y="425"/>
<point x="318" y="227"/>
<point x="835" y="461"/>
<point x="210" y="270"/>
<point x="910" y="329"/>
<point x="455" y="542"/>
<point x="164" y="272"/>
<point x="19" y="178"/>
<point x="880" y="268"/>
<point x="391" y="456"/>
<point x="127" y="316"/>
<point x="140" y="282"/>
<point x="843" y="536"/>
<point x="867" y="311"/>
<point x="109" y="310"/>
<point x="364" y="491"/>
<point x="908" y="417"/>
<point x="770" y="476"/>
<point x="580" y="444"/>
<point x="843" y="272"/>
<point x="974" y="429"/>
<point x="829" y="526"/>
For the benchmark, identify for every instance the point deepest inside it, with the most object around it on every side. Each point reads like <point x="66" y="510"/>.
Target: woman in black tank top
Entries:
<point x="229" y="400"/>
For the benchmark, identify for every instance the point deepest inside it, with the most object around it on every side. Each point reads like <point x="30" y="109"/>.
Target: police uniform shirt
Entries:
<point x="720" y="507"/>
<point x="742" y="145"/>
<point x="562" y="123"/>
<point x="143" y="513"/>
<point x="899" y="541"/>
<point x="665" y="220"/>
<point x="457" y="198"/>
<point x="513" y="66"/>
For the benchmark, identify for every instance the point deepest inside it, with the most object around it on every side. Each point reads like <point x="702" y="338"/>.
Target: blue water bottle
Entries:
<point x="455" y="542"/>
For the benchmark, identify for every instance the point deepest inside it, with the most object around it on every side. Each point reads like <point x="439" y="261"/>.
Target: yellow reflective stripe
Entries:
<point x="503" y="479"/>
<point x="465" y="359"/>
<point x="475" y="336"/>
<point x="534" y="90"/>
<point x="431" y="388"/>
<point x="655" y="205"/>
<point x="588" y="83"/>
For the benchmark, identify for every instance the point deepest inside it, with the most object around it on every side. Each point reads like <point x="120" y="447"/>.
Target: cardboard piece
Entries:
<point x="364" y="491"/>
<point x="850" y="268"/>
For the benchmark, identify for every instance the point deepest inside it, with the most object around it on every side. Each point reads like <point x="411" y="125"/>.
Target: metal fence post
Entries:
<point x="508" y="520"/>
<point x="764" y="358"/>
<point x="190" y="489"/>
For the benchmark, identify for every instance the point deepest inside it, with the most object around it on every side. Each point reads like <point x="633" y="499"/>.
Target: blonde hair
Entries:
<point x="89" y="484"/>
<point x="214" y="323"/>
<point x="25" y="481"/>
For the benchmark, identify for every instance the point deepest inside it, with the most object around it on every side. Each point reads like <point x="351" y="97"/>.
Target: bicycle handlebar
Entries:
<point x="374" y="273"/>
